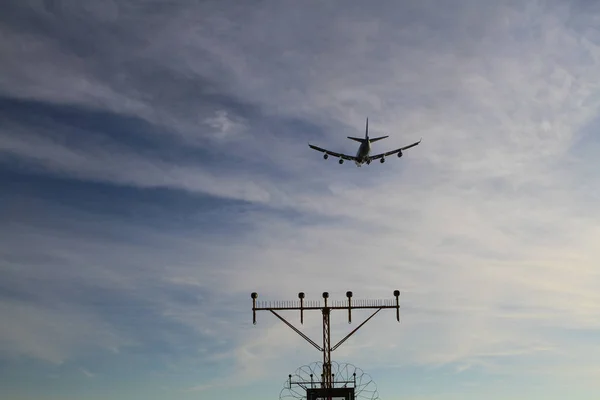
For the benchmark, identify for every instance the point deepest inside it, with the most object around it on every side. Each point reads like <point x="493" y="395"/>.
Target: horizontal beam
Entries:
<point x="317" y="382"/>
<point x="325" y="306"/>
<point x="321" y="308"/>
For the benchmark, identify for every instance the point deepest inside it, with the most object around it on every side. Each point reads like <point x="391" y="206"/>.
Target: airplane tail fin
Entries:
<point x="366" y="139"/>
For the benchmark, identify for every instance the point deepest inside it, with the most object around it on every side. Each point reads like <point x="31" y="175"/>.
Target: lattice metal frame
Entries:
<point x="326" y="307"/>
<point x="307" y="378"/>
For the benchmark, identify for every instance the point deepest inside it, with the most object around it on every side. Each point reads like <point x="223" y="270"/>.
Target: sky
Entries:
<point x="155" y="171"/>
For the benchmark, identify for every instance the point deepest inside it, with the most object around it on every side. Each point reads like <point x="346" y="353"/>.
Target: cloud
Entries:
<point x="87" y="373"/>
<point x="223" y="124"/>
<point x="52" y="335"/>
<point x="486" y="227"/>
<point x="126" y="169"/>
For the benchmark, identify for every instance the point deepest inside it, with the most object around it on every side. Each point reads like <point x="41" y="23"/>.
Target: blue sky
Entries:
<point x="155" y="171"/>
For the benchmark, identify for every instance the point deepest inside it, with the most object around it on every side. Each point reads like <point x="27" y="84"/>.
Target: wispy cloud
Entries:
<point x="87" y="373"/>
<point x="184" y="129"/>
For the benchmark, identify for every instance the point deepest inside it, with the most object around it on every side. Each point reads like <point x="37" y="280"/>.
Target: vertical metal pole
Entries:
<point x="326" y="349"/>
<point x="301" y="297"/>
<point x="326" y="344"/>
<point x="254" y="295"/>
<point x="396" y="294"/>
<point x="349" y="296"/>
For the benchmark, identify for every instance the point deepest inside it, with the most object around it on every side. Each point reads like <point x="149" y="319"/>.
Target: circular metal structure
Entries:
<point x="345" y="375"/>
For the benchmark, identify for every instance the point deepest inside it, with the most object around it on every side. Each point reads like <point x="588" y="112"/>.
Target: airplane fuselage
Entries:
<point x="362" y="155"/>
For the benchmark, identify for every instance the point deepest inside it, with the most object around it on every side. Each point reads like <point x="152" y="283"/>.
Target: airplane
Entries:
<point x="363" y="155"/>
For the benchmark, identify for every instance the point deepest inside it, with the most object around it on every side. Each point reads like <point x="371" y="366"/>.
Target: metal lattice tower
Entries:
<point x="325" y="308"/>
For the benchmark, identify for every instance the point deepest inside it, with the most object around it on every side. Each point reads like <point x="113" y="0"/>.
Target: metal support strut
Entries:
<point x="326" y="348"/>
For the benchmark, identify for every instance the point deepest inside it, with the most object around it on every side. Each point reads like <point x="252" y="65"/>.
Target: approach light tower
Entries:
<point x="325" y="308"/>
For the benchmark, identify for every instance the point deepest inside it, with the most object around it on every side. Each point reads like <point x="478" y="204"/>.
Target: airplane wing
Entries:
<point x="389" y="153"/>
<point x="331" y="153"/>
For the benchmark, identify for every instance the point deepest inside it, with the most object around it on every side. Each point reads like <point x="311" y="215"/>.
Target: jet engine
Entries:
<point x="400" y="154"/>
<point x="326" y="156"/>
<point x="341" y="161"/>
<point x="382" y="160"/>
